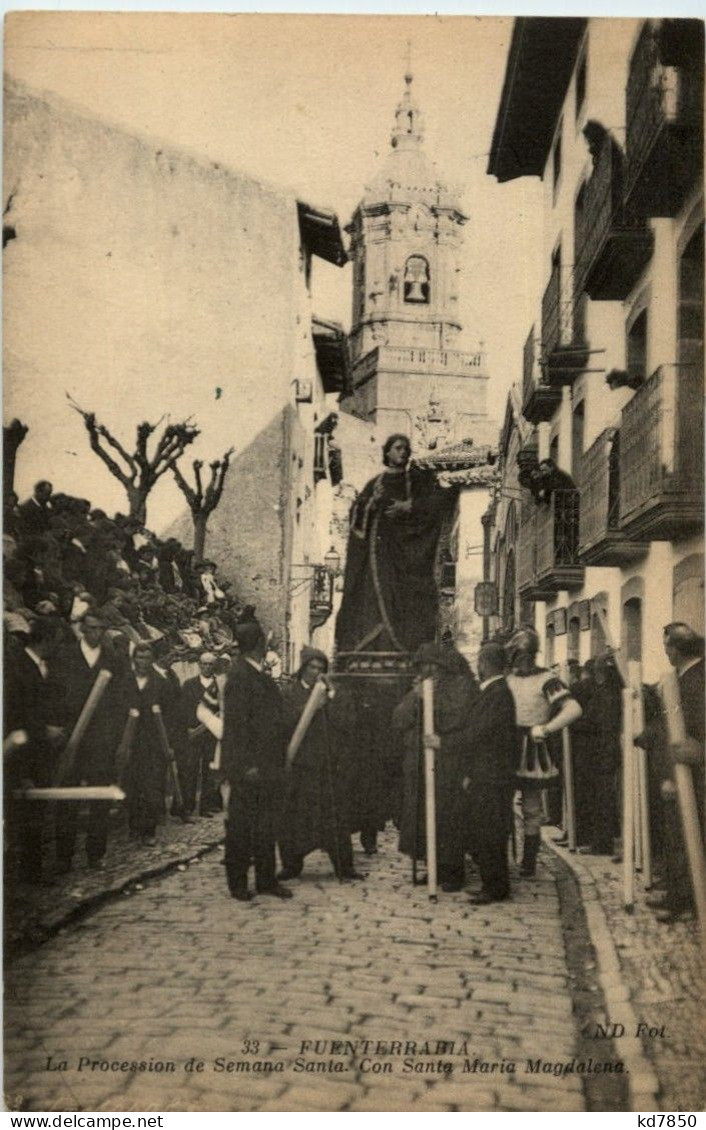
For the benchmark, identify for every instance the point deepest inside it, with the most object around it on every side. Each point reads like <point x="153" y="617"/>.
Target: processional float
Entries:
<point x="371" y="669"/>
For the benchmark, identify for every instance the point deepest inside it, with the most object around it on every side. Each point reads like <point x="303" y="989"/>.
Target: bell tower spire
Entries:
<point x="408" y="132"/>
<point x="407" y="255"/>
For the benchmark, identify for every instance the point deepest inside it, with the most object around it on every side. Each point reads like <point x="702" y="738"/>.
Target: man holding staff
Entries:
<point x="455" y="696"/>
<point x="86" y="664"/>
<point x="33" y="718"/>
<point x="320" y="778"/>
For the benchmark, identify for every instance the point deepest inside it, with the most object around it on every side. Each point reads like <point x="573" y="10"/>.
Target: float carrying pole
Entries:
<point x="430" y="783"/>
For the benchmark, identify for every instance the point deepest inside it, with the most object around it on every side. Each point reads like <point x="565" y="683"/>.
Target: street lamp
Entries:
<point x="332" y="561"/>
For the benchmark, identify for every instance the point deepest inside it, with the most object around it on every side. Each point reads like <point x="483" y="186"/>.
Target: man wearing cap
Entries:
<point x="544" y="706"/>
<point x="201" y="744"/>
<point x="489" y="781"/>
<point x="319" y="784"/>
<point x="253" y="752"/>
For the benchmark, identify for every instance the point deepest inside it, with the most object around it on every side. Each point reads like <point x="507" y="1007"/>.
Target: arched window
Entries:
<point x="416" y="280"/>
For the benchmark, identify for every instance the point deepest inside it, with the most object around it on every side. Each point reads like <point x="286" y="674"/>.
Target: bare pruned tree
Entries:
<point x="140" y="470"/>
<point x="13" y="435"/>
<point x="202" y="502"/>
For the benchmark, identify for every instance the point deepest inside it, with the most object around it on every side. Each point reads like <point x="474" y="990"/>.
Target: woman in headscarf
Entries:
<point x="318" y="789"/>
<point x="455" y="695"/>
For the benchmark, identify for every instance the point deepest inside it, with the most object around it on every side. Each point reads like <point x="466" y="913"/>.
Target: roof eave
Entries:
<point x="539" y="65"/>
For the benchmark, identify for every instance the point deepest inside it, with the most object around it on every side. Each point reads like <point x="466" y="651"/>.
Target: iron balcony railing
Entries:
<point x="661" y="456"/>
<point x="600" y="489"/>
<point x="548" y="556"/>
<point x="652" y="100"/>
<point x="603" y="216"/>
<point x="558" y="532"/>
<point x="529" y="365"/>
<point x="558" y="311"/>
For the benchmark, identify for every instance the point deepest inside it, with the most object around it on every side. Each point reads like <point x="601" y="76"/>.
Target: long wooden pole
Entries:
<point x="568" y="764"/>
<point x="644" y="841"/>
<point x="693" y="841"/>
<point x="168" y="753"/>
<point x="430" y="784"/>
<point x="628" y="803"/>
<point x="71" y="792"/>
<point x="316" y="699"/>
<point x="68" y="756"/>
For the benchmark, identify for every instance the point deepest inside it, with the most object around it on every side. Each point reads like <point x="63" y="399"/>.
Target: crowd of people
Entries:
<point x="128" y="662"/>
<point x="89" y="598"/>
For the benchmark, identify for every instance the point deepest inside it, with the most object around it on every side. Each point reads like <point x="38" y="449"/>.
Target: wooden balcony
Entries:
<point x="539" y="399"/>
<point x="664" y="137"/>
<point x="564" y="349"/>
<point x="548" y="547"/>
<point x="661" y="456"/>
<point x="610" y="249"/>
<point x="601" y="541"/>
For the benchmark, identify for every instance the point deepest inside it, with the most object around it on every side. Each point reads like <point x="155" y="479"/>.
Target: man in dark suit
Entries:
<point x="200" y="747"/>
<point x="34" y="514"/>
<point x="685" y="651"/>
<point x="81" y="662"/>
<point x="32" y="732"/>
<point x="253" y="751"/>
<point x="489" y="781"/>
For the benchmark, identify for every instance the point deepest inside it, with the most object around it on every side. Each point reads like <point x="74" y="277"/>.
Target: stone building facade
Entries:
<point x="148" y="281"/>
<point x="411" y="372"/>
<point x="612" y="372"/>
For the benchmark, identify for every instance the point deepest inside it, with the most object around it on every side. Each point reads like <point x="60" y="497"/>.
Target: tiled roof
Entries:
<point x="459" y="456"/>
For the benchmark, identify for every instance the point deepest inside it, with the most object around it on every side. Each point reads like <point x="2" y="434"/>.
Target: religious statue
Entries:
<point x="389" y="597"/>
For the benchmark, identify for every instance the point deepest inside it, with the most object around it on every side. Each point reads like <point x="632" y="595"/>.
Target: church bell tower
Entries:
<point x="410" y="372"/>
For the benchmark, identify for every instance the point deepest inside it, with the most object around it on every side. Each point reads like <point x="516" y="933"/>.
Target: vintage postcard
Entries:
<point x="353" y="563"/>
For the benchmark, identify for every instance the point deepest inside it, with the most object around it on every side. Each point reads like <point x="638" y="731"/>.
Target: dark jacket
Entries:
<point x="94" y="759"/>
<point x="492" y="748"/>
<point x="455" y="696"/>
<point x="33" y="518"/>
<point x="691" y="689"/>
<point x="492" y="760"/>
<point x="320" y="786"/>
<point x="253" y="731"/>
<point x="31" y="704"/>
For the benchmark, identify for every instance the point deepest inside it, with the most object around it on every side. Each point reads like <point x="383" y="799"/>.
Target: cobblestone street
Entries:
<point x="178" y="970"/>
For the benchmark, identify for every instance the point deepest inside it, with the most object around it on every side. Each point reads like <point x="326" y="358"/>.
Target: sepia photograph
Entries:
<point x="353" y="563"/>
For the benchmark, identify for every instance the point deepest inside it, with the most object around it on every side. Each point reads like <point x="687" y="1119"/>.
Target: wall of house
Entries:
<point x="148" y="282"/>
<point x="136" y="282"/>
<point x="652" y="577"/>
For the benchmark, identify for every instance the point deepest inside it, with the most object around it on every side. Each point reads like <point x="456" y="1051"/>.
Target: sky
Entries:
<point x="307" y="102"/>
